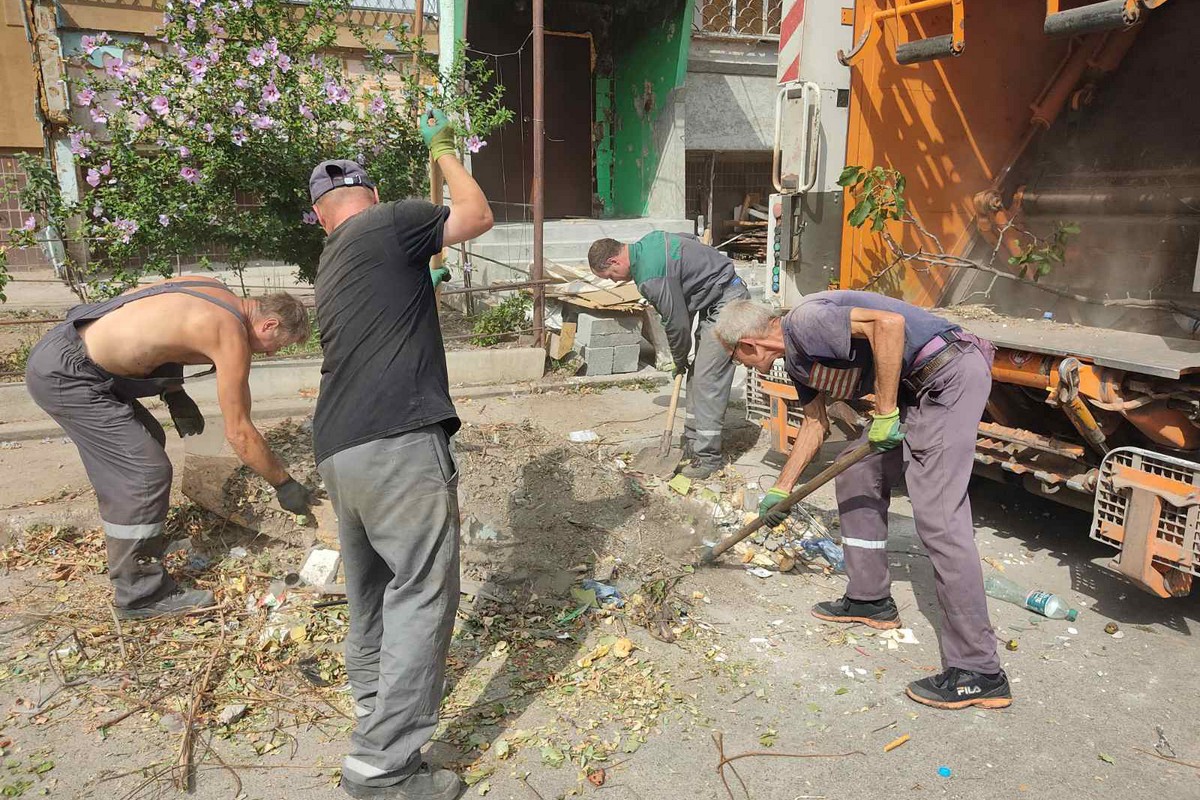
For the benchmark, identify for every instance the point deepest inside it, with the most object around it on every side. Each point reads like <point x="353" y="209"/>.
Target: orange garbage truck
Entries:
<point x="1032" y="169"/>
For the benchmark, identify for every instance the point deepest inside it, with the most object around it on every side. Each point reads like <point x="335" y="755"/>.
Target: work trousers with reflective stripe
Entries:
<point x="936" y="461"/>
<point x="709" y="383"/>
<point x="121" y="445"/>
<point x="396" y="501"/>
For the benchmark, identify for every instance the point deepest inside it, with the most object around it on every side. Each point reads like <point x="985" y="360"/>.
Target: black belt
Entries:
<point x="923" y="372"/>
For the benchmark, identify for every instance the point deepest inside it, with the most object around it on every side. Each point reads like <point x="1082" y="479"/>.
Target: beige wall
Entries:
<point x="19" y="127"/>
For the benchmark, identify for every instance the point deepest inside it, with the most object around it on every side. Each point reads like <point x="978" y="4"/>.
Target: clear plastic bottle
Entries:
<point x="1037" y="601"/>
<point x="825" y="547"/>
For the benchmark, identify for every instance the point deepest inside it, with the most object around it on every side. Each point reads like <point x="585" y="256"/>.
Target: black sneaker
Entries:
<point x="881" y="614"/>
<point x="960" y="688"/>
<point x="179" y="601"/>
<point x="424" y="784"/>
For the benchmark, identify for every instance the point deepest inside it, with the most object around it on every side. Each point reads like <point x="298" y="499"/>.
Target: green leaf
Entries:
<point x="842" y="690"/>
<point x="552" y="757"/>
<point x="1106" y="758"/>
<point x="767" y="739"/>
<point x="879" y="224"/>
<point x="1070" y="229"/>
<point x="849" y="176"/>
<point x="858" y="214"/>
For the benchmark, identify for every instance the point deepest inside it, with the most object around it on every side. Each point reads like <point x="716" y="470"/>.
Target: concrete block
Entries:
<point x="592" y="324"/>
<point x="625" y="358"/>
<point x="599" y="360"/>
<point x="502" y="365"/>
<point x="613" y="339"/>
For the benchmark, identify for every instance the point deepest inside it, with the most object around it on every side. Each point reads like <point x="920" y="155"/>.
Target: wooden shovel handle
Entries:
<point x="665" y="444"/>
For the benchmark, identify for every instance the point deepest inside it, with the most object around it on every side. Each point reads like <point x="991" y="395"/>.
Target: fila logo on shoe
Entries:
<point x="969" y="690"/>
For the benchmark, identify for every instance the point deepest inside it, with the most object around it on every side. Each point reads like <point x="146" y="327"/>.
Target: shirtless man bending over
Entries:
<point x="88" y="373"/>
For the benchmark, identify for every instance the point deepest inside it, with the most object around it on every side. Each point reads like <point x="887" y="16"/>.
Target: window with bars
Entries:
<point x="12" y="215"/>
<point x="753" y="18"/>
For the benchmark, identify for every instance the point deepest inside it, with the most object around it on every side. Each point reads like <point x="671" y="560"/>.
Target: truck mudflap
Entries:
<point x="1148" y="506"/>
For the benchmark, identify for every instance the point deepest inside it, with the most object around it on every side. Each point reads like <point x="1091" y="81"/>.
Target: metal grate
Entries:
<point x="753" y="18"/>
<point x="758" y="403"/>
<point x="12" y="179"/>
<point x="1174" y="523"/>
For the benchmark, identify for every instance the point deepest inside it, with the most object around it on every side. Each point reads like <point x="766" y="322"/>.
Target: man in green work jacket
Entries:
<point x="684" y="279"/>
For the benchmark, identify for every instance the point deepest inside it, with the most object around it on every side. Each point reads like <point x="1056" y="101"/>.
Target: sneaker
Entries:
<point x="697" y="470"/>
<point x="960" y="688"/>
<point x="424" y="784"/>
<point x="880" y="614"/>
<point x="179" y="601"/>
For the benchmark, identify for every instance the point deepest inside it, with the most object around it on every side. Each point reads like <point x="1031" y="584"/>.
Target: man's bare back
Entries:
<point x="169" y="328"/>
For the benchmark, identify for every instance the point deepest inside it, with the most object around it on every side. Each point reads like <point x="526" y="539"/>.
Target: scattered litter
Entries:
<point x="681" y="484"/>
<point x="760" y="572"/>
<point x="232" y="713"/>
<point x="899" y="636"/>
<point x="604" y="592"/>
<point x="320" y="567"/>
<point x="826" y="548"/>
<point x="582" y="437"/>
<point x="1111" y="628"/>
<point x="944" y="772"/>
<point x="758" y="640"/>
<point x="238" y="552"/>
<point x="1119" y="635"/>
<point x="1073" y="631"/>
<point x="897" y="742"/>
<point x="1012" y="644"/>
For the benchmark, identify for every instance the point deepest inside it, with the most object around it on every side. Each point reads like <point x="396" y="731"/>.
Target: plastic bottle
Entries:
<point x="1037" y="601"/>
<point x="824" y="546"/>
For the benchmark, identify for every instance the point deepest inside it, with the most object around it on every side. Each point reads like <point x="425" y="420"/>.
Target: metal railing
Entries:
<point x="756" y="19"/>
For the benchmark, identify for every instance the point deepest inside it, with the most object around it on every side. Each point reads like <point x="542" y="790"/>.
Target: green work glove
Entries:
<point x="769" y="501"/>
<point x="184" y="413"/>
<point x="439" y="276"/>
<point x="885" y="433"/>
<point x="437" y="133"/>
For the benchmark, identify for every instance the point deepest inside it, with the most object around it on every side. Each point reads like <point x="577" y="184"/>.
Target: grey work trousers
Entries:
<point x="709" y="383"/>
<point x="121" y="445"/>
<point x="396" y="501"/>
<point x="936" y="461"/>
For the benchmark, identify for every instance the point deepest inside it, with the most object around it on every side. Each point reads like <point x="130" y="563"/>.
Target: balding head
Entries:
<point x="338" y="205"/>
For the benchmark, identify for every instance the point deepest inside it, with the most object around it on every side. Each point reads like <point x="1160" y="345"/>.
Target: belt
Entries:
<point x="937" y="353"/>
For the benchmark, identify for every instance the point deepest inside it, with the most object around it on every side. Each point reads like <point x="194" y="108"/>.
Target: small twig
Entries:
<point x="184" y="775"/>
<point x="727" y="761"/>
<point x="885" y="727"/>
<point x="1179" y="762"/>
<point x="525" y="780"/>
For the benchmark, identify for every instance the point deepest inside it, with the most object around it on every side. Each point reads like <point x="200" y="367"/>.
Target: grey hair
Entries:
<point x="743" y="319"/>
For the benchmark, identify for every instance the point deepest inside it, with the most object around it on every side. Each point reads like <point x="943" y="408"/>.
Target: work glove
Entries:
<point x="439" y="276"/>
<point x="771" y="499"/>
<point x="293" y="496"/>
<point x="437" y="133"/>
<point x="679" y="368"/>
<point x="885" y="433"/>
<point x="184" y="413"/>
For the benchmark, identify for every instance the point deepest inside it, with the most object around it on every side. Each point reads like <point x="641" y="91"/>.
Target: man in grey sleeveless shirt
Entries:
<point x="88" y="374"/>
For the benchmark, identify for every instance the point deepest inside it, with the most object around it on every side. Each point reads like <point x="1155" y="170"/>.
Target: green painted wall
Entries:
<point x="651" y="48"/>
<point x="604" y="144"/>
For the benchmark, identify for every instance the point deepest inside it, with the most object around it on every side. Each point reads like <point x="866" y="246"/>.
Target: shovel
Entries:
<point x="662" y="459"/>
<point x="802" y="491"/>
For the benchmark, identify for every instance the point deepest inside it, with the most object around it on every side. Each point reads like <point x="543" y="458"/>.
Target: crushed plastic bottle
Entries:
<point x="1038" y="601"/>
<point x="826" y="548"/>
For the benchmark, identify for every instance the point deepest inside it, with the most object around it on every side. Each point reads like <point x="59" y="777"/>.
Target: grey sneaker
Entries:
<point x="179" y="601"/>
<point x="424" y="784"/>
<point x="698" y="470"/>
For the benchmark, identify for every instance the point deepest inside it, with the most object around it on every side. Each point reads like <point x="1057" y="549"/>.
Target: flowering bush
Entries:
<point x="205" y="136"/>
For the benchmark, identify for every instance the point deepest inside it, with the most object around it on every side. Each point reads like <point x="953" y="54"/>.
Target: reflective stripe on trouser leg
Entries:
<point x="397" y="506"/>
<point x="941" y="437"/>
<point x="120" y="445"/>
<point x="864" y="492"/>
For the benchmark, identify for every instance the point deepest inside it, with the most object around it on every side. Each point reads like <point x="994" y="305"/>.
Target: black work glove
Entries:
<point x="184" y="413"/>
<point x="293" y="496"/>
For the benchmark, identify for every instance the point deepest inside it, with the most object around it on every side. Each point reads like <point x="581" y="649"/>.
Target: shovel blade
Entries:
<point x="653" y="461"/>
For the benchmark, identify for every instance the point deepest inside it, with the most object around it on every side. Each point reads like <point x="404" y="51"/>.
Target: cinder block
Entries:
<point x="614" y="339"/>
<point x="592" y="324"/>
<point x="625" y="358"/>
<point x="599" y="360"/>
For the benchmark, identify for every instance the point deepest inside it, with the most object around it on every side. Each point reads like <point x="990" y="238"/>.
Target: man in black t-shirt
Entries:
<point x="381" y="437"/>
